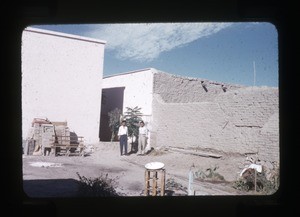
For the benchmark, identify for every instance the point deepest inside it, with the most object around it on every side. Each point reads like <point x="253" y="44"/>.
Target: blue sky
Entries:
<point x="222" y="52"/>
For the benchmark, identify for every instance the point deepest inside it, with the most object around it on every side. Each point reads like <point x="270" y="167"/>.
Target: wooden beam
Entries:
<point x="198" y="153"/>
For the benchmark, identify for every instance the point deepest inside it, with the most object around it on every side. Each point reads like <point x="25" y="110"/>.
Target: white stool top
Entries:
<point x="154" y="165"/>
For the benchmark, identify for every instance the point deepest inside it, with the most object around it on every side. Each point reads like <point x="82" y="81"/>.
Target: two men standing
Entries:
<point x="142" y="138"/>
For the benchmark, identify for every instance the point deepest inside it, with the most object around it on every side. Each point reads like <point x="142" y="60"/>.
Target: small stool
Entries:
<point x="155" y="181"/>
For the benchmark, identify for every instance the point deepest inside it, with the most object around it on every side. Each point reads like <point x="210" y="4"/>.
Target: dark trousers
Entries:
<point x="123" y="144"/>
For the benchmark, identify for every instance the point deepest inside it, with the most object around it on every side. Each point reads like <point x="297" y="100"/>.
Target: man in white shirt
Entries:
<point x="123" y="134"/>
<point x="143" y="135"/>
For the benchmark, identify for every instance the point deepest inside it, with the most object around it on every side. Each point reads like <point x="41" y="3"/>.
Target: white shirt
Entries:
<point x="123" y="130"/>
<point x="143" y="131"/>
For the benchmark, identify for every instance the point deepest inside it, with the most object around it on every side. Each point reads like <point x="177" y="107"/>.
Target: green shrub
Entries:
<point x="133" y="118"/>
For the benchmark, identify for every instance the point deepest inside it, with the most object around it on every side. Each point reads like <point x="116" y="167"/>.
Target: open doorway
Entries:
<point x="112" y="98"/>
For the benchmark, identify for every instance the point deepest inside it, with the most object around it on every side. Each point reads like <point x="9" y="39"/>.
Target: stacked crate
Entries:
<point x="62" y="133"/>
<point x="37" y="137"/>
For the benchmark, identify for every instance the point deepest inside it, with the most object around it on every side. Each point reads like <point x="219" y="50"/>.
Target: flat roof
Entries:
<point x="64" y="35"/>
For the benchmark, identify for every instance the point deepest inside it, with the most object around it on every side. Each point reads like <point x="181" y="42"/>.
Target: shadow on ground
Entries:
<point x="42" y="188"/>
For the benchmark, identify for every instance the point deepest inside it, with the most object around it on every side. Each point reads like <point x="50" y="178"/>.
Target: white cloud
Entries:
<point x="145" y="42"/>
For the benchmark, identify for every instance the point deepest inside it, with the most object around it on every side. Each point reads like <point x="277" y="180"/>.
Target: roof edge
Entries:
<point x="63" y="35"/>
<point x="131" y="72"/>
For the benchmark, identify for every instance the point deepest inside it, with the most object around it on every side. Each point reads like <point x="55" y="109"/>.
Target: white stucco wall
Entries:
<point x="138" y="89"/>
<point x="61" y="80"/>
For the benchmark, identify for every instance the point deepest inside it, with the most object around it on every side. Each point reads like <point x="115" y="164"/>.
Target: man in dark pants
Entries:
<point x="123" y="134"/>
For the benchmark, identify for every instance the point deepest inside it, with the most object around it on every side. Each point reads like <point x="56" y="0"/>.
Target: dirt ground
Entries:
<point x="56" y="176"/>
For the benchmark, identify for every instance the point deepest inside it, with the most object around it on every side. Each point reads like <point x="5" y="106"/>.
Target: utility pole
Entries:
<point x="254" y="73"/>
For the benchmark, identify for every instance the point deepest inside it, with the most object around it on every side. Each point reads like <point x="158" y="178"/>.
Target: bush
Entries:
<point x="114" y="122"/>
<point x="97" y="187"/>
<point x="133" y="118"/>
<point x="263" y="185"/>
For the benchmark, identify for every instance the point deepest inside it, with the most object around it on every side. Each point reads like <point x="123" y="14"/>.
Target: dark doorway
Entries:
<point x="112" y="98"/>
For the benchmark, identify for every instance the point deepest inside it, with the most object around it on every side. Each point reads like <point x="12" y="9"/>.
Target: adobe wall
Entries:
<point x="176" y="89"/>
<point x="239" y="120"/>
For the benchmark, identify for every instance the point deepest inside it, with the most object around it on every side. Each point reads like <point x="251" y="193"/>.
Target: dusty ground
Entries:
<point x="60" y="179"/>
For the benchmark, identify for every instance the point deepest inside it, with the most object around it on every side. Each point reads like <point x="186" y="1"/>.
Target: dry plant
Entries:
<point x="266" y="181"/>
<point x="210" y="174"/>
<point x="102" y="186"/>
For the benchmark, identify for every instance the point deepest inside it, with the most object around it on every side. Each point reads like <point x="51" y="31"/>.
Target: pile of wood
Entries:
<point x="46" y="137"/>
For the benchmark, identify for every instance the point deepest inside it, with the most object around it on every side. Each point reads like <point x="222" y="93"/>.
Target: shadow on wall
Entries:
<point x="73" y="138"/>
